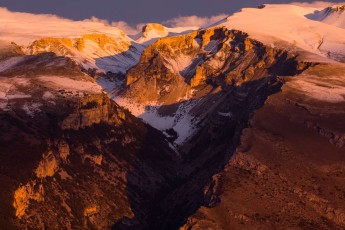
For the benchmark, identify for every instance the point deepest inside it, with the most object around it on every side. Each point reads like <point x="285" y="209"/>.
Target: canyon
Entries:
<point x="234" y="126"/>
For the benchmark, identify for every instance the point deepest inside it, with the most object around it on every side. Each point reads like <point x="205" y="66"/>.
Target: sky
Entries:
<point x="130" y="13"/>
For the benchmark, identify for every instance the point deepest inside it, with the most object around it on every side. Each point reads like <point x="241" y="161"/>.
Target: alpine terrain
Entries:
<point x="239" y="125"/>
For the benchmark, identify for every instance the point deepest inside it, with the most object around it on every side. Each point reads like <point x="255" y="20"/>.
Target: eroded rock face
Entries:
<point x="287" y="171"/>
<point x="336" y="8"/>
<point x="34" y="190"/>
<point x="65" y="46"/>
<point x="90" y="110"/>
<point x="215" y="56"/>
<point x="9" y="49"/>
<point x="48" y="166"/>
<point x="64" y="150"/>
<point x="70" y="157"/>
<point x="155" y="28"/>
<point x="93" y="52"/>
<point x="199" y="78"/>
<point x="26" y="193"/>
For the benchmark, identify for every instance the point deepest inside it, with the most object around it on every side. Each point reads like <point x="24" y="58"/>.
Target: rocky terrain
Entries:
<point x="175" y="128"/>
<point x="70" y="157"/>
<point x="286" y="172"/>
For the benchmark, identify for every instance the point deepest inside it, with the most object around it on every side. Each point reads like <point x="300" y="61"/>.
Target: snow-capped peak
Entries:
<point x="93" y="44"/>
<point x="298" y="25"/>
<point x="151" y="28"/>
<point x="153" y="31"/>
<point x="333" y="15"/>
<point x="24" y="28"/>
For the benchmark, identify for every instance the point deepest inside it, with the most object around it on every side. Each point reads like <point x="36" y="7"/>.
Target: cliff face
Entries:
<point x="286" y="170"/>
<point x="93" y="109"/>
<point x="57" y="45"/>
<point x="215" y="56"/>
<point x="227" y="77"/>
<point x="70" y="157"/>
<point x="154" y="28"/>
<point x="182" y="80"/>
<point x="9" y="49"/>
<point x="96" y="53"/>
<point x="238" y="95"/>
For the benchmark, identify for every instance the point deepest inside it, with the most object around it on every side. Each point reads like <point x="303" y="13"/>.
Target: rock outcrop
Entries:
<point x="93" y="109"/>
<point x="26" y="193"/>
<point x="159" y="29"/>
<point x="93" y="52"/>
<point x="215" y="56"/>
<point x="71" y="157"/>
<point x="278" y="176"/>
<point x="48" y="166"/>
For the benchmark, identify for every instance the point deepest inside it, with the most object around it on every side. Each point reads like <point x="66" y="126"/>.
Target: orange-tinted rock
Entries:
<point x="48" y="166"/>
<point x="25" y="193"/>
<point x="199" y="77"/>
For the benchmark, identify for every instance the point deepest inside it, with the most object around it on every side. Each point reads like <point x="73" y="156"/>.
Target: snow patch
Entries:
<point x="269" y="25"/>
<point x="229" y="114"/>
<point x="152" y="117"/>
<point x="182" y="122"/>
<point x="109" y="85"/>
<point x="32" y="108"/>
<point x="4" y="106"/>
<point x="135" y="108"/>
<point x="6" y="64"/>
<point x="179" y="63"/>
<point x="48" y="95"/>
<point x="334" y="15"/>
<point x="75" y="85"/>
<point x="4" y="88"/>
<point x="321" y="90"/>
<point x="18" y="95"/>
<point x="24" y="28"/>
<point x="153" y="35"/>
<point x="8" y="88"/>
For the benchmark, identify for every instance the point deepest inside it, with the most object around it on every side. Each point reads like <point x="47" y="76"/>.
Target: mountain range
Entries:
<point x="239" y="125"/>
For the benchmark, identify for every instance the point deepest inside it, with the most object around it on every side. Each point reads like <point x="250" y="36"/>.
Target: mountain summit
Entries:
<point x="153" y="31"/>
<point x="333" y="15"/>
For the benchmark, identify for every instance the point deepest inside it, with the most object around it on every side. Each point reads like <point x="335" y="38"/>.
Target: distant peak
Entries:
<point x="153" y="26"/>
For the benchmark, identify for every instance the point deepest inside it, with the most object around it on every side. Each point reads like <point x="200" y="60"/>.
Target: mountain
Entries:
<point x="153" y="31"/>
<point x="69" y="153"/>
<point x="177" y="73"/>
<point x="283" y="172"/>
<point x="96" y="46"/>
<point x="235" y="126"/>
<point x="293" y="27"/>
<point x="96" y="53"/>
<point x="333" y="15"/>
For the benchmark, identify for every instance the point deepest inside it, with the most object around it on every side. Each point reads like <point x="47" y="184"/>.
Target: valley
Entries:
<point x="233" y="126"/>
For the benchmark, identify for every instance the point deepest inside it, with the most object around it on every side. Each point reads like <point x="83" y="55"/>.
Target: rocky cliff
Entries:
<point x="287" y="171"/>
<point x="172" y="66"/>
<point x="96" y="53"/>
<point x="70" y="157"/>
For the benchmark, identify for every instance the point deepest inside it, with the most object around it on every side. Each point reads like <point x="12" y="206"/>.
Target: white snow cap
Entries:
<point x="23" y="28"/>
<point x="289" y="23"/>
